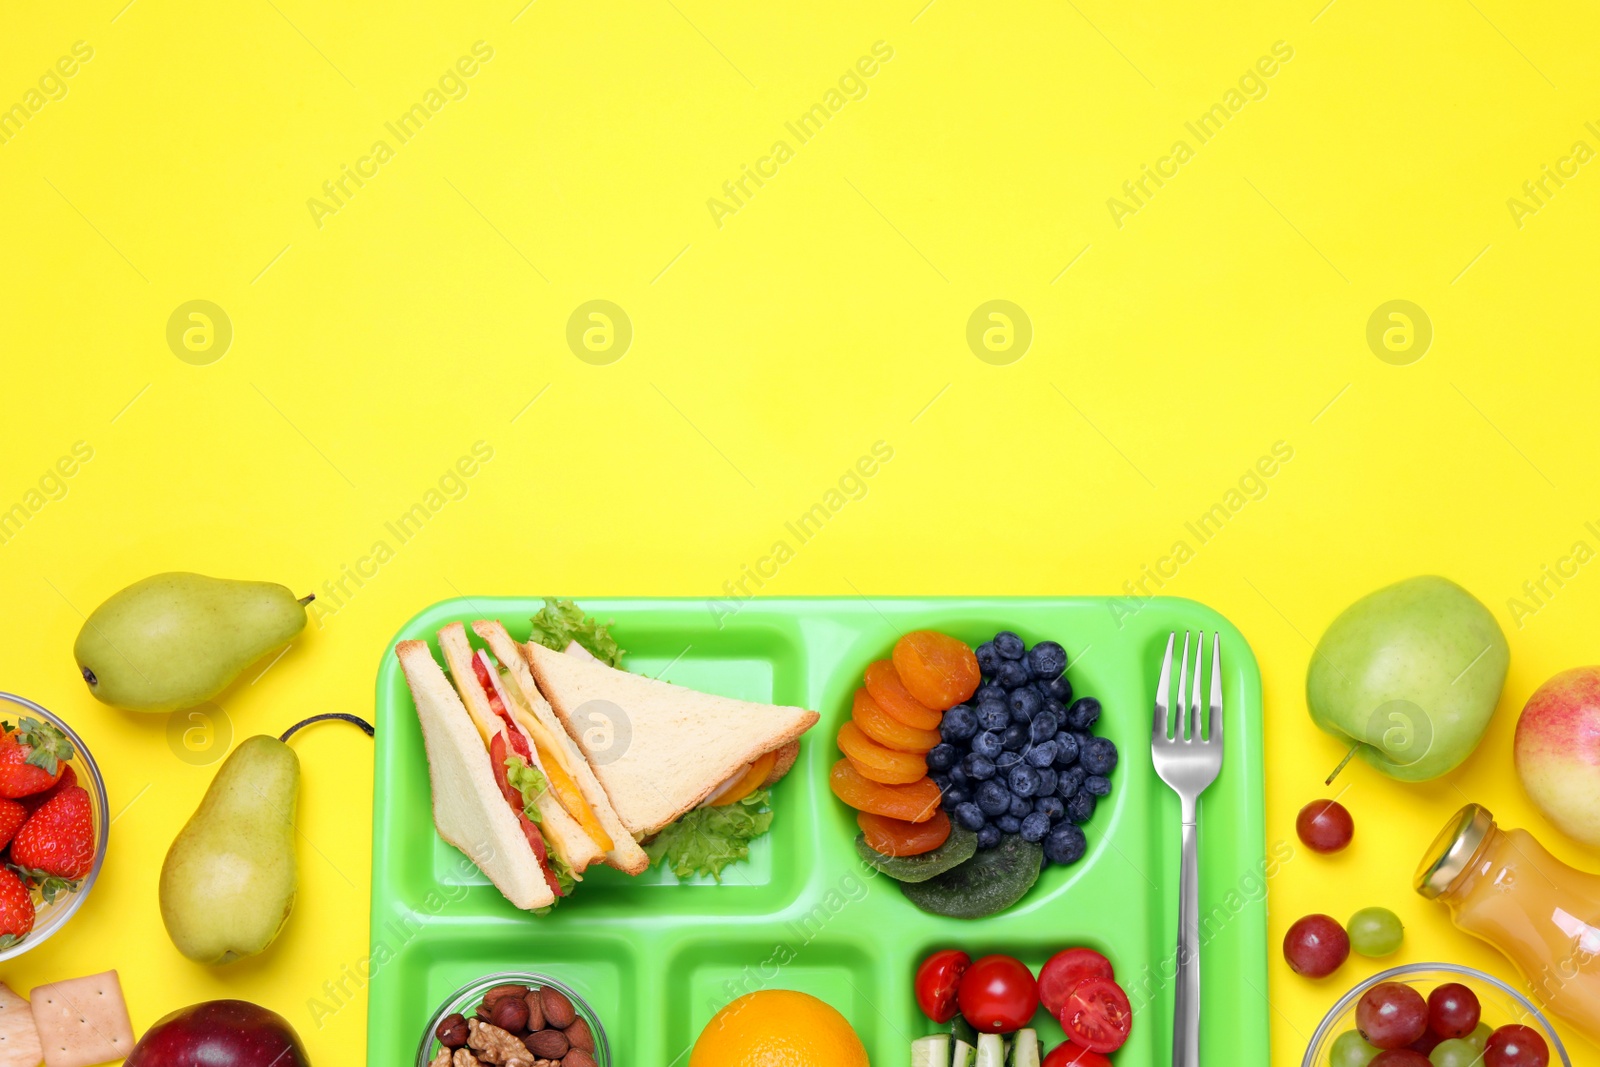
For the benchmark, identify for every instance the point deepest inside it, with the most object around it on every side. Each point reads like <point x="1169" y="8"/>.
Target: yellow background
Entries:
<point x="829" y="312"/>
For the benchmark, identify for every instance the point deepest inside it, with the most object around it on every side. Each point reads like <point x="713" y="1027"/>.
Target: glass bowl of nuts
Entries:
<point x="514" y="1019"/>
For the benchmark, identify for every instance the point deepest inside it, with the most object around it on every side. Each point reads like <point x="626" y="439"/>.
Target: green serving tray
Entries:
<point x="656" y="958"/>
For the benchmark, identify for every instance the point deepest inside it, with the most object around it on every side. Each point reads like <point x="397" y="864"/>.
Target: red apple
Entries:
<point x="220" y="1033"/>
<point x="1558" y="751"/>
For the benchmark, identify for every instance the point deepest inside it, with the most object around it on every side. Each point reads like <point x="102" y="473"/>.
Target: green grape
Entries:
<point x="1375" y="932"/>
<point x="1455" y="1053"/>
<point x="1479" y="1037"/>
<point x="1350" y="1051"/>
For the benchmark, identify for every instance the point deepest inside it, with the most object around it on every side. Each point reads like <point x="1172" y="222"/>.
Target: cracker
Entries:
<point x="19" y="1037"/>
<point x="82" y="1021"/>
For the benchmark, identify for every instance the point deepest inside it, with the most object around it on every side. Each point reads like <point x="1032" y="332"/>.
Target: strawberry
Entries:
<point x="12" y="816"/>
<point x="16" y="909"/>
<point x="30" y="757"/>
<point x="68" y="779"/>
<point x="55" y="847"/>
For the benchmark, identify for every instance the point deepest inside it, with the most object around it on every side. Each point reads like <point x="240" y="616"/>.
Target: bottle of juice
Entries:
<point x="1502" y="886"/>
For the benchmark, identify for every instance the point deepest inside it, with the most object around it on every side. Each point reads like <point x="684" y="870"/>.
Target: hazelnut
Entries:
<point x="558" y="1010"/>
<point x="510" y="1014"/>
<point x="504" y="991"/>
<point x="579" y="1036"/>
<point x="535" y="1010"/>
<point x="578" y="1058"/>
<point x="452" y="1032"/>
<point x="547" y="1044"/>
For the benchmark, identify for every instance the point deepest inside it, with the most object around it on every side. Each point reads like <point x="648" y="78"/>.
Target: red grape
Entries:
<point x="1516" y="1046"/>
<point x="1426" y="1043"/>
<point x="1400" y="1057"/>
<point x="1391" y="1015"/>
<point x="1453" y="1011"/>
<point x="1324" y="826"/>
<point x="1315" y="946"/>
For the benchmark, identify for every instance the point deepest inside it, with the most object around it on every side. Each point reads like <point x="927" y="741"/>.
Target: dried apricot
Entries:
<point x="883" y="682"/>
<point x="937" y="669"/>
<point x="916" y="802"/>
<point x="896" y="837"/>
<point x="874" y="761"/>
<point x="887" y="730"/>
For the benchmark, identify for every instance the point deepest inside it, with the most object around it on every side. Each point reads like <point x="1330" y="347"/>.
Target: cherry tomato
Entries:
<point x="998" y="995"/>
<point x="1097" y="1015"/>
<point x="1070" y="1055"/>
<point x="937" y="981"/>
<point x="1065" y="970"/>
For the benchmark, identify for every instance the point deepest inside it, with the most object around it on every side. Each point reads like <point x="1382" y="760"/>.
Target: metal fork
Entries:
<point x="1188" y="762"/>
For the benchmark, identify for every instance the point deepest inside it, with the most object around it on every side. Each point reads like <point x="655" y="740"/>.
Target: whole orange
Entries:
<point x="778" y="1028"/>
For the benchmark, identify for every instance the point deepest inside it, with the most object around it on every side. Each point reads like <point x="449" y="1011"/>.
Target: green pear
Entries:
<point x="1410" y="675"/>
<point x="228" y="881"/>
<point x="176" y="640"/>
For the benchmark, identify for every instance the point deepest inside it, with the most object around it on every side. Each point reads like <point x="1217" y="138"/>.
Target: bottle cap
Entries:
<point x="1448" y="856"/>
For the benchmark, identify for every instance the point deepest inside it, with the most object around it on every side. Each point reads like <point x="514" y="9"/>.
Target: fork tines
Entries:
<point x="1188" y="727"/>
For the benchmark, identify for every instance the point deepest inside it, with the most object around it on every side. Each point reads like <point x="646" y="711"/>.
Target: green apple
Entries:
<point x="1410" y="675"/>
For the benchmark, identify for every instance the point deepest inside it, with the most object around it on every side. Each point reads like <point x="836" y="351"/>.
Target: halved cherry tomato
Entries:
<point x="1070" y="1055"/>
<point x="1097" y="1015"/>
<point x="887" y="730"/>
<point x="1063" y="971"/>
<point x="937" y="669"/>
<point x="881" y="764"/>
<point x="937" y="981"/>
<point x="913" y="803"/>
<point x="998" y="995"/>
<point x="896" y="837"/>
<point x="884" y="683"/>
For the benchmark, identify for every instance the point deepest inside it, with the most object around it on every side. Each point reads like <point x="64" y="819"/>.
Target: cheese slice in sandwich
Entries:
<point x="468" y="808"/>
<point x="571" y="777"/>
<point x="477" y="679"/>
<point x="674" y="747"/>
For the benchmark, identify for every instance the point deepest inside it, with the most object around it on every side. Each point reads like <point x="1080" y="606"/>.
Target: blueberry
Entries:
<point x="1007" y="760"/>
<point x="1051" y="806"/>
<point x="1041" y="755"/>
<point x="959" y="723"/>
<point x="1015" y="737"/>
<point x="979" y="768"/>
<point x="942" y="757"/>
<point x="1009" y="645"/>
<point x="1024" y="780"/>
<point x="1011" y="674"/>
<point x="1084" y="713"/>
<point x="992" y="798"/>
<point x="993" y="715"/>
<point x="1008" y="824"/>
<point x="1097" y="786"/>
<point x="1035" y="826"/>
<point x="1047" y="659"/>
<point x="958" y="775"/>
<point x="1066" y="749"/>
<point x="970" y="816"/>
<point x="1068" y="782"/>
<point x="989" y="691"/>
<point x="1056" y="708"/>
<point x="987" y="657"/>
<point x="1025" y="704"/>
<point x="986" y="744"/>
<point x="1043" y="728"/>
<point x="1049" y="781"/>
<point x="1065" y="845"/>
<point x="955" y="796"/>
<point x="989" y="837"/>
<point x="1020" y="807"/>
<point x="1083" y="737"/>
<point x="1099" y="756"/>
<point x="1059" y="688"/>
<point x="1080" y="809"/>
<point x="940" y="780"/>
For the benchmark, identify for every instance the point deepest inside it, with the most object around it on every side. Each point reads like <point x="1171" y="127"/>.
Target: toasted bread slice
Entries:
<point x="786" y="757"/>
<point x="658" y="749"/>
<point x="561" y="831"/>
<point x="625" y="853"/>
<point x="468" y="809"/>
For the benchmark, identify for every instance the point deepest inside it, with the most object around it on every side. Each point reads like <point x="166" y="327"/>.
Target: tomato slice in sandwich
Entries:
<point x="749" y="783"/>
<point x="497" y="757"/>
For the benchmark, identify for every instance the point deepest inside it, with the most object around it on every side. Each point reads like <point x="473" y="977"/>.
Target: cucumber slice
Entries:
<point x="957" y="849"/>
<point x="962" y="1030"/>
<point x="991" y="1050"/>
<point x="989" y="882"/>
<point x="931" y="1051"/>
<point x="1025" y="1048"/>
<point x="963" y="1054"/>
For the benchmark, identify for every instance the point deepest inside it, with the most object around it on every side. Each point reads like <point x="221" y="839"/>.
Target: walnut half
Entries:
<point x="498" y="1046"/>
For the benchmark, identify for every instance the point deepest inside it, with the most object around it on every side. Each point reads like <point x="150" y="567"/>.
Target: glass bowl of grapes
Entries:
<point x="1434" y="1015"/>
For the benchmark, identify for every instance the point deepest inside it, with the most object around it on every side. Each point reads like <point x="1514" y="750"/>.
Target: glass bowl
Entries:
<point x="1501" y="1005"/>
<point x="48" y="918"/>
<point x="466" y="999"/>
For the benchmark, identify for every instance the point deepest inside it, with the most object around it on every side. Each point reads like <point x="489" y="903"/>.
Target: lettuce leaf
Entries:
<point x="530" y="782"/>
<point x="708" y="839"/>
<point x="561" y="622"/>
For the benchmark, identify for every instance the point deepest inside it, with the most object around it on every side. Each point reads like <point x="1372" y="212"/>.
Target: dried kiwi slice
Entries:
<point x="957" y="849"/>
<point x="989" y="882"/>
